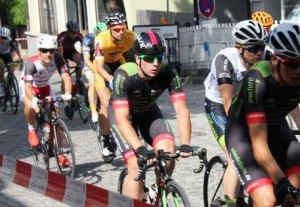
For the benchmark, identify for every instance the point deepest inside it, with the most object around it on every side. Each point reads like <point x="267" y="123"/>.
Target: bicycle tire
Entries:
<point x="3" y="100"/>
<point x="13" y="94"/>
<point x="40" y="153"/>
<point x="63" y="145"/>
<point x="122" y="176"/>
<point x="212" y="187"/>
<point x="173" y="195"/>
<point x="83" y="104"/>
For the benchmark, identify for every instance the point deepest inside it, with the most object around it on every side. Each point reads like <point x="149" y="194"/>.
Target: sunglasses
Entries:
<point x="47" y="50"/>
<point x="254" y="49"/>
<point x="118" y="30"/>
<point x="152" y="58"/>
<point x="293" y="65"/>
<point x="4" y="38"/>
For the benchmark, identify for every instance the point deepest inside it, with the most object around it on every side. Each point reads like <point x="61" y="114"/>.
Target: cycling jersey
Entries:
<point x="67" y="43"/>
<point x="34" y="72"/>
<point x="140" y="97"/>
<point x="226" y="69"/>
<point x="88" y="45"/>
<point x="262" y="100"/>
<point x="112" y="51"/>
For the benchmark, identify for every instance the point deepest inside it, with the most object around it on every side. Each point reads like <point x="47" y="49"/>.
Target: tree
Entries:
<point x="13" y="12"/>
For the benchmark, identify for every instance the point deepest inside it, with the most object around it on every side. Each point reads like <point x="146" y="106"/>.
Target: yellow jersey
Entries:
<point x="111" y="51"/>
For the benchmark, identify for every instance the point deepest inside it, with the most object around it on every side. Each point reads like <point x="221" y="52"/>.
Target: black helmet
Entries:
<point x="72" y="26"/>
<point x="149" y="43"/>
<point x="115" y="18"/>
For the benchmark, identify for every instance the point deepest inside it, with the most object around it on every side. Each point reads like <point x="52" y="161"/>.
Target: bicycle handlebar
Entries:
<point x="49" y="100"/>
<point x="160" y="155"/>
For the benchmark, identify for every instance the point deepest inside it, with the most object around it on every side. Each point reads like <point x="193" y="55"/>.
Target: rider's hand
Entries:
<point x="142" y="151"/>
<point x="283" y="189"/>
<point x="34" y="102"/>
<point x="111" y="84"/>
<point x="67" y="97"/>
<point x="185" y="150"/>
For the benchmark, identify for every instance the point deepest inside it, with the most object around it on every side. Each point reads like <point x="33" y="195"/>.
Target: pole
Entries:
<point x="196" y="12"/>
<point x="168" y="10"/>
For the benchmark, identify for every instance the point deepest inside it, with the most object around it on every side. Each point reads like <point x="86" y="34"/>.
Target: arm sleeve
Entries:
<point x="224" y="69"/>
<point x="29" y="70"/>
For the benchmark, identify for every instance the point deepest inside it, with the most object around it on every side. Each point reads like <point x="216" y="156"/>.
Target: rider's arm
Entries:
<point x="224" y="69"/>
<point x="295" y="113"/>
<point x="29" y="70"/>
<point x="99" y="59"/>
<point x="87" y="61"/>
<point x="183" y="119"/>
<point x="257" y="123"/>
<point x="125" y="127"/>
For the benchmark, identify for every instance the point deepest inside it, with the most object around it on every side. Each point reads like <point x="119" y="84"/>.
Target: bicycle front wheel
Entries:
<point x="212" y="188"/>
<point x="83" y="102"/>
<point x="13" y="94"/>
<point x="173" y="195"/>
<point x="122" y="176"/>
<point x="64" y="149"/>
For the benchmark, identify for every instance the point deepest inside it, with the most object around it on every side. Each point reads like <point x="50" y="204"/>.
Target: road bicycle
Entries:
<point x="53" y="143"/>
<point x="10" y="88"/>
<point x="213" y="195"/>
<point x="81" y="102"/>
<point x="170" y="193"/>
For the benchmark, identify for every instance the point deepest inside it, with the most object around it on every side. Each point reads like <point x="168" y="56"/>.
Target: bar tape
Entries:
<point x="60" y="187"/>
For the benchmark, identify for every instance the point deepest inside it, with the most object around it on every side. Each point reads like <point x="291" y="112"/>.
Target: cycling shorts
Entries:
<point x="282" y="143"/>
<point x="99" y="81"/>
<point x="150" y="125"/>
<point x="217" y="119"/>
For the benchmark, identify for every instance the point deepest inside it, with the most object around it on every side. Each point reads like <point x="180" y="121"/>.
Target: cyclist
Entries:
<point x="66" y="41"/>
<point x="227" y="70"/>
<point x="8" y="53"/>
<point x="35" y="79"/>
<point x="88" y="51"/>
<point x="264" y="150"/>
<point x="109" y="48"/>
<point x="136" y="88"/>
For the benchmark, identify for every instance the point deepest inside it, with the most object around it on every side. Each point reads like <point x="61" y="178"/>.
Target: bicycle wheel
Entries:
<point x="212" y="188"/>
<point x="63" y="146"/>
<point x="13" y="94"/>
<point x="122" y="176"/>
<point x="173" y="195"/>
<point x="40" y="154"/>
<point x="83" y="108"/>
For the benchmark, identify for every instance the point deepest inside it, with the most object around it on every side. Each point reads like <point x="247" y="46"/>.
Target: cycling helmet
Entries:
<point x="249" y="32"/>
<point x="72" y="26"/>
<point x="264" y="18"/>
<point x="149" y="43"/>
<point x="5" y="32"/>
<point x="115" y="18"/>
<point x="285" y="40"/>
<point x="47" y="41"/>
<point x="100" y="27"/>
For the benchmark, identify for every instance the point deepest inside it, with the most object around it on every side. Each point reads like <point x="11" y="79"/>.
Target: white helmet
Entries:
<point x="47" y="41"/>
<point x="285" y="40"/>
<point x="249" y="32"/>
<point x="4" y="32"/>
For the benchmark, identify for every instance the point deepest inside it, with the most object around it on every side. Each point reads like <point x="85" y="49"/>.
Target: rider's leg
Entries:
<point x="263" y="196"/>
<point x="131" y="188"/>
<point x="91" y="93"/>
<point x="2" y="66"/>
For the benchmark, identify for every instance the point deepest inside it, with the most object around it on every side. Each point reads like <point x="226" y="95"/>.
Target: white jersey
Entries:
<point x="34" y="72"/>
<point x="226" y="68"/>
